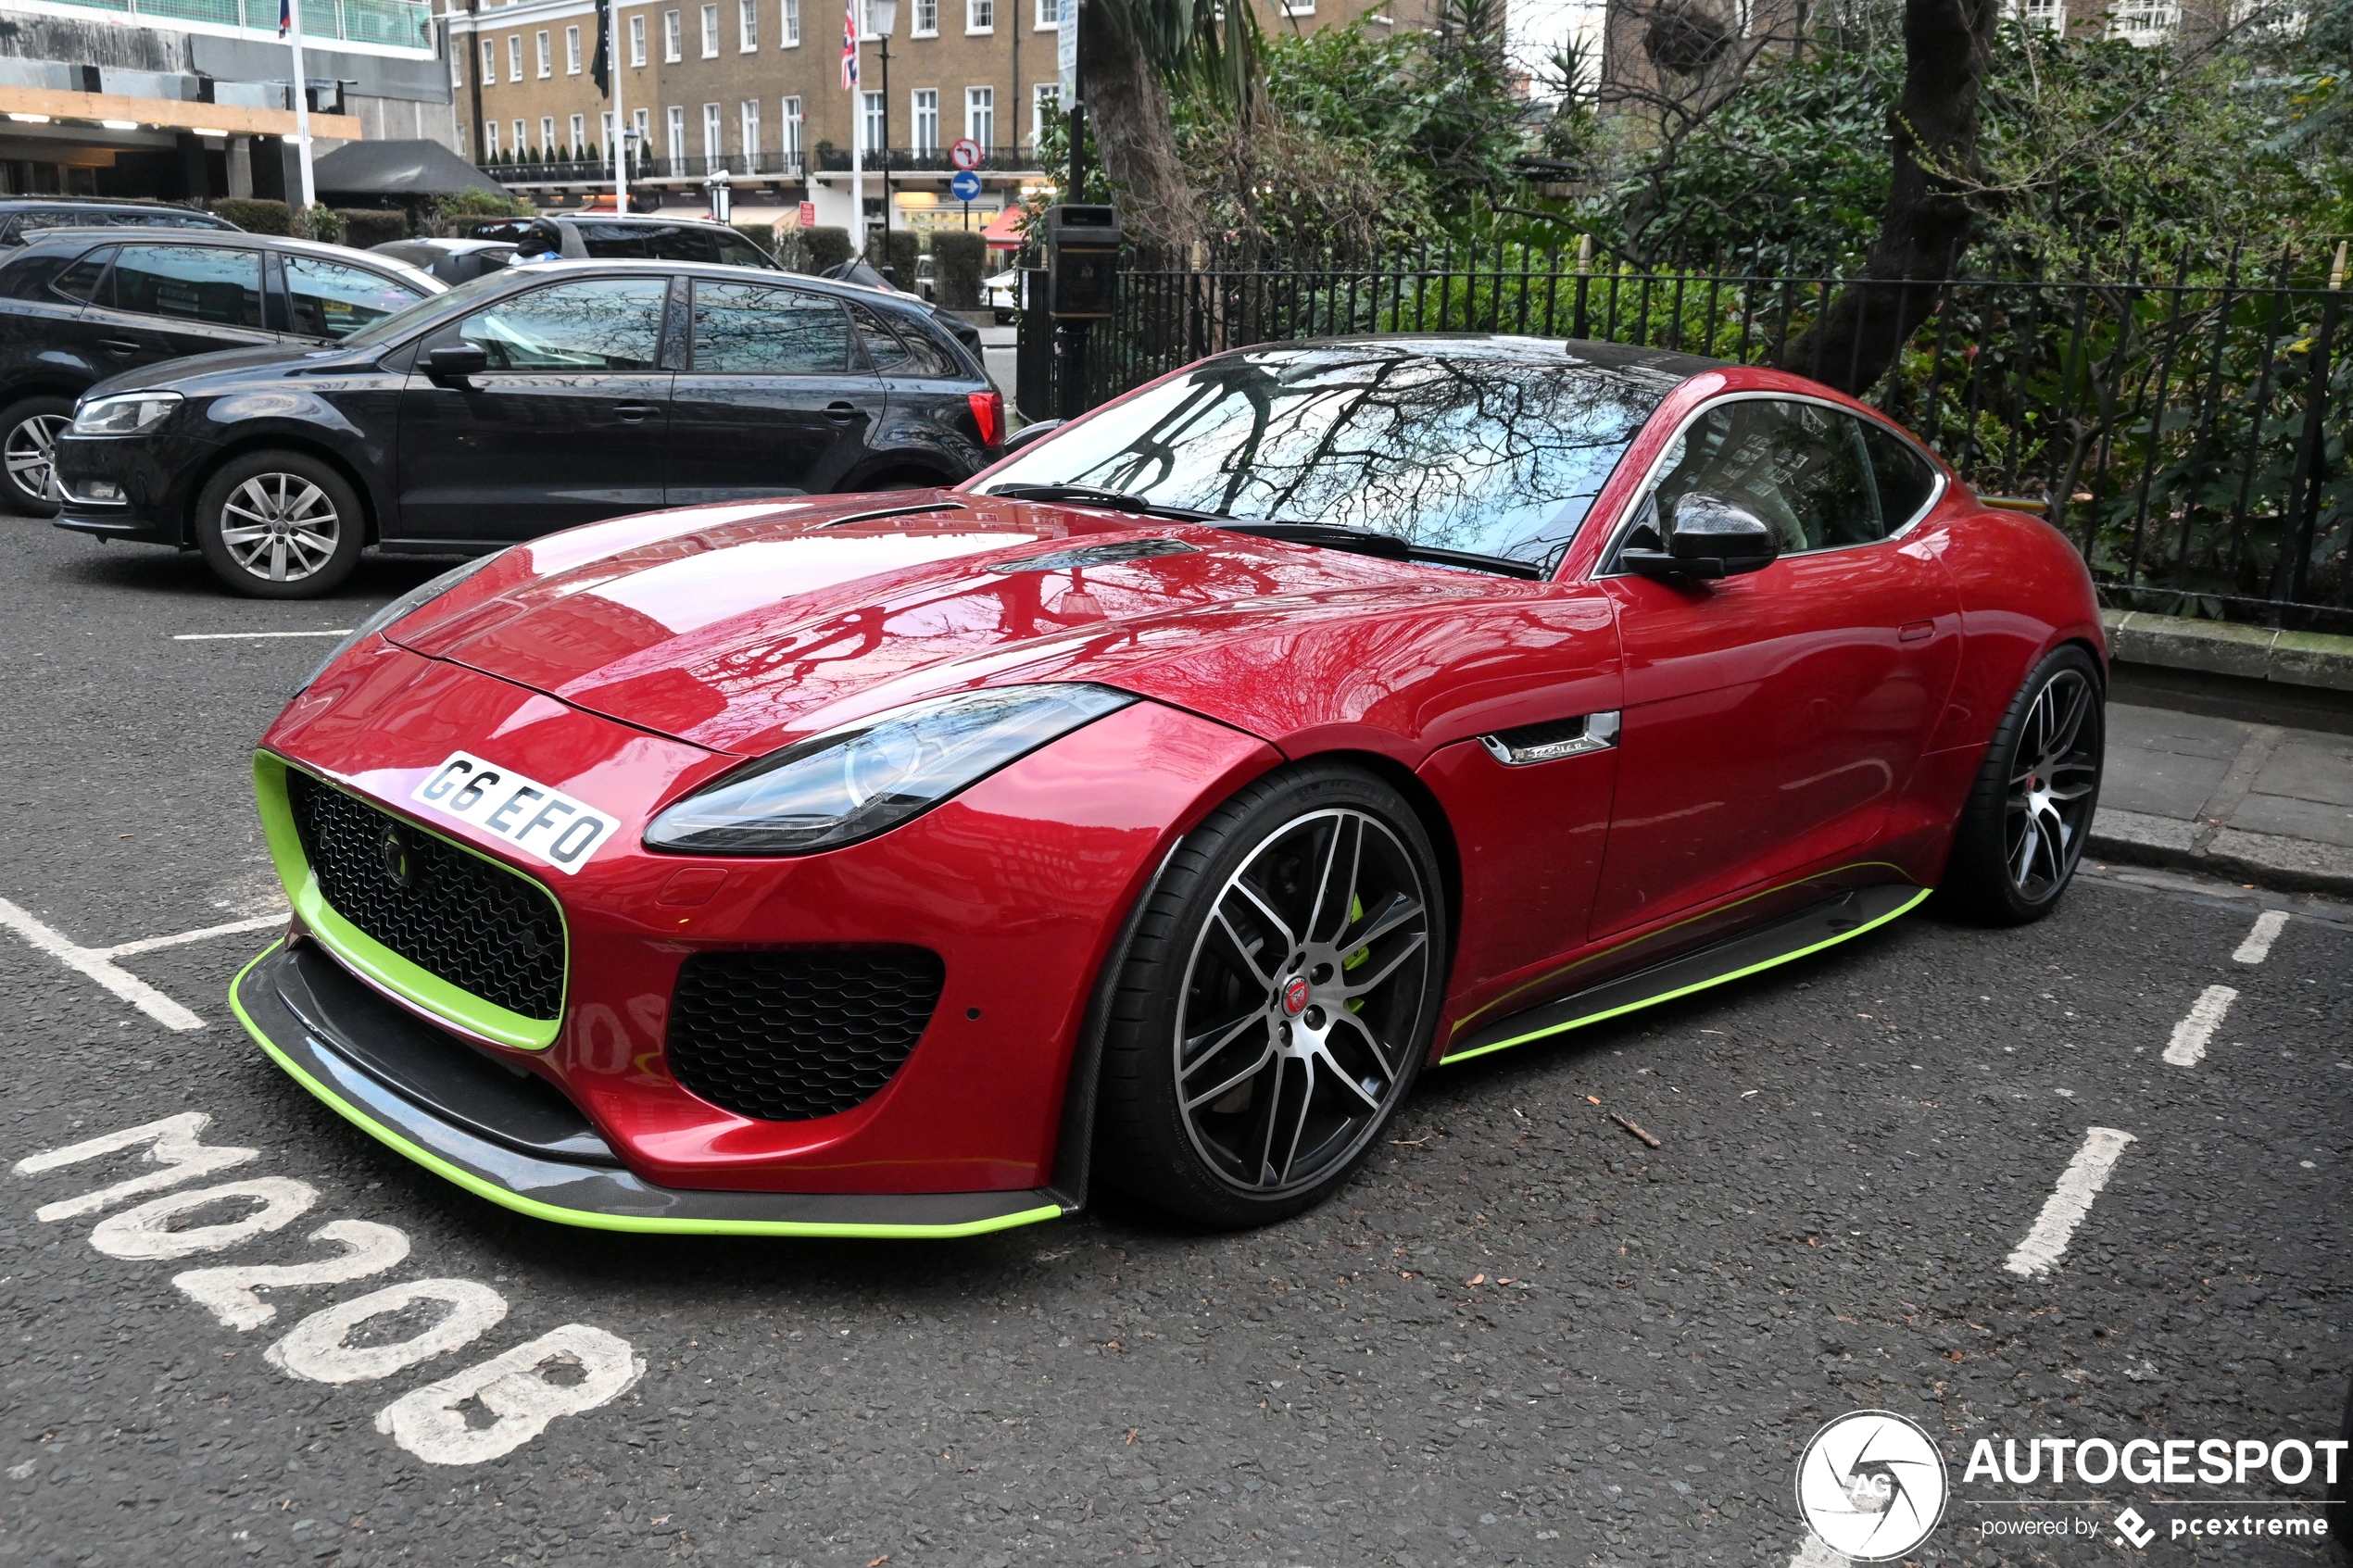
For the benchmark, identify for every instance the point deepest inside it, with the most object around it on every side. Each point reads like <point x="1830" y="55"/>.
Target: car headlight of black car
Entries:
<point x="414" y="600"/>
<point x="128" y="413"/>
<point x="868" y="777"/>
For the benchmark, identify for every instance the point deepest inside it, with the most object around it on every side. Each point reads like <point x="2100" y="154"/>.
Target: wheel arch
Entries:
<point x="280" y="441"/>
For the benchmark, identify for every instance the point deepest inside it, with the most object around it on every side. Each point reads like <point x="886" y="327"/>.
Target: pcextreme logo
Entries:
<point x="1872" y="1485"/>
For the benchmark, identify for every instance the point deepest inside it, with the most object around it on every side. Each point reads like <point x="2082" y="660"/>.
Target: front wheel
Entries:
<point x="29" y="432"/>
<point x="2023" y="833"/>
<point x="1277" y="1001"/>
<point x="280" y="525"/>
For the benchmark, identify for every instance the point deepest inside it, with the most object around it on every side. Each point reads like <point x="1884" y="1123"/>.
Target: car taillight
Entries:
<point x="989" y="412"/>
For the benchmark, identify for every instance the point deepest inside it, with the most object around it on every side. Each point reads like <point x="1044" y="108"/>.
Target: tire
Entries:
<point x="2029" y="812"/>
<point x="1293" y="1068"/>
<point x="29" y="430"/>
<point x="280" y="525"/>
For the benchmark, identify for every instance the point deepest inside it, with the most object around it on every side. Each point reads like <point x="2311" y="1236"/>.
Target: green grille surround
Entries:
<point x="371" y="958"/>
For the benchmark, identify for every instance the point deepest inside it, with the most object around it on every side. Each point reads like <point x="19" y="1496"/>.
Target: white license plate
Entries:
<point x="539" y="820"/>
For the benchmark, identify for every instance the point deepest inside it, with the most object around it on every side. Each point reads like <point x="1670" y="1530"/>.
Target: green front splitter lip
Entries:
<point x="604" y="1197"/>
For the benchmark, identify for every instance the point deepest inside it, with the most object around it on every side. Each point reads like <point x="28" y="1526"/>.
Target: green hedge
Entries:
<point x="903" y="250"/>
<point x="366" y="227"/>
<point x="959" y="257"/>
<point x="825" y="248"/>
<point x="761" y="234"/>
<point x="256" y="216"/>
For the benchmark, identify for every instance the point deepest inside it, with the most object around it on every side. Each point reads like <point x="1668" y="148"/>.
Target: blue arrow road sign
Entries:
<point x="965" y="186"/>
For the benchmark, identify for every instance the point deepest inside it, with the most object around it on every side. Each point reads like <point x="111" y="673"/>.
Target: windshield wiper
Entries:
<point x="1364" y="542"/>
<point x="1109" y="500"/>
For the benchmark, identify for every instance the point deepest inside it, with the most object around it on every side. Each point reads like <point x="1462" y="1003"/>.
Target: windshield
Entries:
<point x="1491" y="448"/>
<point x="384" y="329"/>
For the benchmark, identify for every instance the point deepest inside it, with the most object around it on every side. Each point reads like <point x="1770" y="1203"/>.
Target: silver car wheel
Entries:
<point x="2053" y="783"/>
<point x="31" y="454"/>
<point x="280" y="527"/>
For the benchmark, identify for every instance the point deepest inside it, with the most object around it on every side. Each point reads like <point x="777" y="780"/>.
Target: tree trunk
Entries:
<point x="1946" y="43"/>
<point x="1128" y="115"/>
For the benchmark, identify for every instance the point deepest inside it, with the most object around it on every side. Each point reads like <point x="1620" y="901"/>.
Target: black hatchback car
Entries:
<point x="23" y="217"/>
<point x="534" y="398"/>
<point x="80" y="304"/>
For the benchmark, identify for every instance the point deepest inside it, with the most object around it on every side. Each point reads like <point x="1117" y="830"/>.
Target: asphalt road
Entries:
<point x="1519" y="1336"/>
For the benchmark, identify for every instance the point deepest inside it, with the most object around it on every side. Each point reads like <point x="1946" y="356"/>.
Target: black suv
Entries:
<point x="532" y="399"/>
<point x="600" y="236"/>
<point x="23" y="217"/>
<point x="80" y="304"/>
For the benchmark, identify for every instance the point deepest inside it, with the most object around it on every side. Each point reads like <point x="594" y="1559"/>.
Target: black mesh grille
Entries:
<point x="480" y="927"/>
<point x="788" y="1036"/>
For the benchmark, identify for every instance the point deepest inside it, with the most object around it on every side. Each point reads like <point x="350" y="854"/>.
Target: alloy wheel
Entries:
<point x="31" y="452"/>
<point x="280" y="527"/>
<point x="2053" y="779"/>
<point x="1302" y="1000"/>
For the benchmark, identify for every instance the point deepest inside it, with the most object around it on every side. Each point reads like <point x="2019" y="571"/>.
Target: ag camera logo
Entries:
<point x="1872" y="1485"/>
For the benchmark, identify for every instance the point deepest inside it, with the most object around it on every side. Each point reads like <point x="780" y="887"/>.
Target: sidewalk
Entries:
<point x="2255" y="803"/>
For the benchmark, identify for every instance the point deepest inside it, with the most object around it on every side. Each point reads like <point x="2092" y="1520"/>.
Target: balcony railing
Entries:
<point x="930" y="160"/>
<point x="594" y="171"/>
<point x="405" y="24"/>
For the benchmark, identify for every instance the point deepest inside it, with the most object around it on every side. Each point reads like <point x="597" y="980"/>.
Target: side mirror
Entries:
<point x="456" y="362"/>
<point x="1030" y="433"/>
<point x="1709" y="537"/>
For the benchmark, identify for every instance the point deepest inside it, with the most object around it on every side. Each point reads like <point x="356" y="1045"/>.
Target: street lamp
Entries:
<point x="883" y="17"/>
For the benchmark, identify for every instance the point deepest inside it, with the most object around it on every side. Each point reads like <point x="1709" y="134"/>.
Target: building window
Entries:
<point x="748" y="25"/>
<point x="490" y="139"/>
<point x="572" y="51"/>
<point x="980" y="16"/>
<point x="926" y="23"/>
<point x="456" y="67"/>
<point x="714" y="149"/>
<point x="1044" y="101"/>
<point x="747" y="124"/>
<point x="924" y="102"/>
<point x="980" y="114"/>
<point x="641" y="125"/>
<point x="1299" y="7"/>
<point x="514" y="57"/>
<point x="1049" y="15"/>
<point x="489" y="61"/>
<point x="547" y="135"/>
<point x="2145" y="22"/>
<point x="542" y="55"/>
<point x="791" y="128"/>
<point x="869" y="121"/>
<point x="579" y="134"/>
<point x="675" y="148"/>
<point x="673" y="38"/>
<point x="636" y="41"/>
<point x="461" y="138"/>
<point x="792" y="24"/>
<point x="2048" y="14"/>
<point x="604" y="122"/>
<point x="523" y="141"/>
<point x="711" y="33"/>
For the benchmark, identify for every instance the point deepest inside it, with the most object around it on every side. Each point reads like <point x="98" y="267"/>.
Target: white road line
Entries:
<point x="2258" y="946"/>
<point x="1813" y="1552"/>
<point x="84" y="961"/>
<point x="247" y="636"/>
<point x="149" y="944"/>
<point x="2187" y="1048"/>
<point x="2069" y="1202"/>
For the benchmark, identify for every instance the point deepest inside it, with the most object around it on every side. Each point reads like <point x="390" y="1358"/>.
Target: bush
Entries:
<point x="256" y="216"/>
<point x="761" y="234"/>
<point x="825" y="248"/>
<point x="901" y="268"/>
<point x="317" y="222"/>
<point x="961" y="258"/>
<point x="365" y="226"/>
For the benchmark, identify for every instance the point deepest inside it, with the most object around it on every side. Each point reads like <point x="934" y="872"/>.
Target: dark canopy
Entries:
<point x="399" y="169"/>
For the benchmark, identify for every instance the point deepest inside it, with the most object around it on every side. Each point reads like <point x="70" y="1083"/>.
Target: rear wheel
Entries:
<point x="1277" y="1002"/>
<point x="29" y="432"/>
<point x="279" y="525"/>
<point x="2023" y="833"/>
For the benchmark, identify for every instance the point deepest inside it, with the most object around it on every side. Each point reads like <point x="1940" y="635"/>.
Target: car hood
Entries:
<point x="196" y="373"/>
<point x="741" y="628"/>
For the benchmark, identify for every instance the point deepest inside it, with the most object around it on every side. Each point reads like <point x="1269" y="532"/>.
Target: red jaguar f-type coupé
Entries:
<point x="1156" y="806"/>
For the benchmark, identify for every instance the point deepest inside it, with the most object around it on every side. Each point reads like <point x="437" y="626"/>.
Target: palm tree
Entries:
<point x="1130" y="52"/>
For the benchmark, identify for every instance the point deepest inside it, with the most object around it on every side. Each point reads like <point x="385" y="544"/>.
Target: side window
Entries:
<point x="607" y="241"/>
<point x="79" y="281"/>
<point x="1905" y="479"/>
<point x="1799" y="466"/>
<point x="205" y="284"/>
<point x="746" y="328"/>
<point x="596" y="325"/>
<point x="736" y="251"/>
<point x="333" y="301"/>
<point x="904" y="352"/>
<point x="683" y="245"/>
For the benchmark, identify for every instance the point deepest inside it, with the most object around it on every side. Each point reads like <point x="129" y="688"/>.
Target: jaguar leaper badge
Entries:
<point x="399" y="861"/>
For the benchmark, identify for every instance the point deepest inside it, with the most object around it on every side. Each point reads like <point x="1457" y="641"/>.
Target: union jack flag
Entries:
<point x="848" y="45"/>
<point x="286" y="16"/>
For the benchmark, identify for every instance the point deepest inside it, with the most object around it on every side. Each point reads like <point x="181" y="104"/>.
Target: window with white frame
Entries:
<point x="1049" y="15"/>
<point x="489" y="138"/>
<point x="748" y="26"/>
<point x="711" y="33"/>
<point x="522" y="142"/>
<point x="924" y="103"/>
<point x="2049" y="15"/>
<point x="980" y="114"/>
<point x="547" y="135"/>
<point x="714" y="148"/>
<point x="461" y="138"/>
<point x="489" y="60"/>
<point x="674" y="37"/>
<point x="747" y="125"/>
<point x="1299" y="7"/>
<point x="869" y="121"/>
<point x="2143" y="22"/>
<point x="980" y="16"/>
<point x="604" y="126"/>
<point x="572" y="51"/>
<point x="1045" y="100"/>
<point x="675" y="148"/>
<point x="579" y="134"/>
<point x="456" y="67"/>
<point x="642" y="122"/>
<point x="514" y="57"/>
<point x="792" y="127"/>
<point x="792" y="23"/>
<point x="542" y="55"/>
<point x="926" y="23"/>
<point x="636" y="41"/>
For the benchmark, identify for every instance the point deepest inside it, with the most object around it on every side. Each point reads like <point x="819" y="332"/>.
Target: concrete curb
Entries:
<point x="2283" y="865"/>
<point x="2222" y="648"/>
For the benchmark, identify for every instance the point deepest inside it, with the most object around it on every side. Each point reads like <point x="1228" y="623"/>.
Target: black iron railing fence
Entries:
<point x="2188" y="432"/>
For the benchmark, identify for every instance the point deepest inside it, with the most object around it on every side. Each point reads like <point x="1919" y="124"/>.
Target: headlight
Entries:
<point x="415" y="598"/>
<point x="132" y="413"/>
<point x="868" y="777"/>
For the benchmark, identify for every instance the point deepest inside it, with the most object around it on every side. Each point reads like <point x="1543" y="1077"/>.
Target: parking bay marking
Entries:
<point x="2085" y="1174"/>
<point x="2187" y="1048"/>
<point x="2258" y="946"/>
<point x="245" y="636"/>
<point x="96" y="963"/>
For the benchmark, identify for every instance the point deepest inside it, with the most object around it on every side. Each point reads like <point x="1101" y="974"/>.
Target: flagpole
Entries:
<point x="620" y="124"/>
<point x="301" y="106"/>
<point x="857" y="139"/>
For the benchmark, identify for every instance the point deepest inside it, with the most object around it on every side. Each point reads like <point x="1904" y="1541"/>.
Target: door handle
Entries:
<point x="842" y="411"/>
<point x="118" y="346"/>
<point x="1917" y="632"/>
<point x="632" y="413"/>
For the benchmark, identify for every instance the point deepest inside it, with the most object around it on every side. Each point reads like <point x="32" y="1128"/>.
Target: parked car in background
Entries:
<point x="603" y="237"/>
<point x="861" y="273"/>
<point x="23" y="217"/>
<point x="452" y="261"/>
<point x="1002" y="294"/>
<point x="78" y="306"/>
<point x="529" y="400"/>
